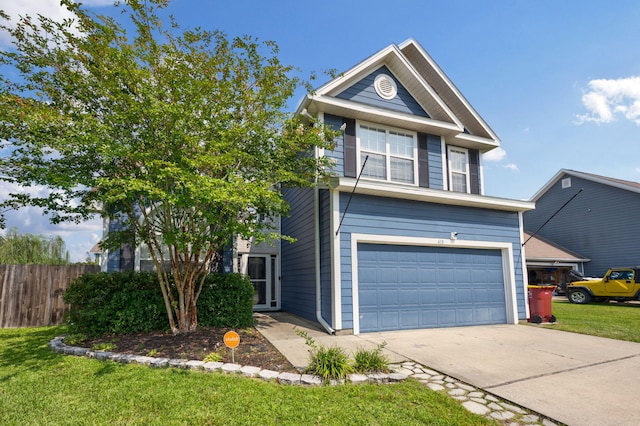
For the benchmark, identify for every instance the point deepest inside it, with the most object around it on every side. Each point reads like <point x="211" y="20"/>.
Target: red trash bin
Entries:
<point x="540" y="297"/>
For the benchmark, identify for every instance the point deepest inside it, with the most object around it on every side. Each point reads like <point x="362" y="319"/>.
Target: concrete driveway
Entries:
<point x="572" y="378"/>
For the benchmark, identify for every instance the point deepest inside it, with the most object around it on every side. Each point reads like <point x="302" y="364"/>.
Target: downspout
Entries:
<point x="316" y="237"/>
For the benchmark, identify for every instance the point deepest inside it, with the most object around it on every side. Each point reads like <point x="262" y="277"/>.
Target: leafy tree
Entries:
<point x="181" y="135"/>
<point x="22" y="249"/>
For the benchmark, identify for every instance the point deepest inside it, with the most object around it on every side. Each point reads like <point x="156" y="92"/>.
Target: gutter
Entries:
<point x="316" y="236"/>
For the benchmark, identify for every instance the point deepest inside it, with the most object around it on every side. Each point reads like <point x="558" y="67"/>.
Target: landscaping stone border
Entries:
<point x="474" y="400"/>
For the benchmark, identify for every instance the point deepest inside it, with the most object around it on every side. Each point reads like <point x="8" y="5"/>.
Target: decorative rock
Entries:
<point x="457" y="392"/>
<point x="289" y="378"/>
<point x="250" y="371"/>
<point x="491" y="398"/>
<point x="195" y="365"/>
<point x="159" y="362"/>
<point x="513" y="408"/>
<point x="102" y="355"/>
<point x="475" y="408"/>
<point x="502" y="415"/>
<point x="421" y="376"/>
<point x="230" y="368"/>
<point x="465" y="387"/>
<point x="177" y="363"/>
<point x="358" y="378"/>
<point x="397" y="377"/>
<point x="495" y="407"/>
<point x="438" y="377"/>
<point x="405" y="371"/>
<point x="123" y="358"/>
<point x="310" y="379"/>
<point x="435" y="387"/>
<point x="547" y="422"/>
<point x="212" y="366"/>
<point x="450" y="385"/>
<point x="267" y="374"/>
<point x="530" y="418"/>
<point x="476" y="394"/>
<point x="143" y="360"/>
<point x="449" y="380"/>
<point x="460" y="398"/>
<point x="378" y="377"/>
<point x="478" y="400"/>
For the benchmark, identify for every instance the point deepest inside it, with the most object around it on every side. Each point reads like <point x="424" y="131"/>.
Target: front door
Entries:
<point x="263" y="272"/>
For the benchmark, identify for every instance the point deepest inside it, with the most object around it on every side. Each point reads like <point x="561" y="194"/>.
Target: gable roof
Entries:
<point x="613" y="182"/>
<point x="540" y="249"/>
<point x="450" y="114"/>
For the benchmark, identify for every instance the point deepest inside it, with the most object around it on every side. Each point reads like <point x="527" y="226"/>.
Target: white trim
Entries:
<point x="336" y="279"/>
<point x="445" y="173"/>
<point x="387" y="154"/>
<point x="508" y="270"/>
<point x="523" y="260"/>
<point x="481" y="173"/>
<point x="467" y="173"/>
<point x="429" y="195"/>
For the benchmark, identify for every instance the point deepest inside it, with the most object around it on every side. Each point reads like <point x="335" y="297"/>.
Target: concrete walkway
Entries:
<point x="572" y="378"/>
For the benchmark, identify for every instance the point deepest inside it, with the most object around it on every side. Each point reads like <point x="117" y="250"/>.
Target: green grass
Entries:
<point x="613" y="320"/>
<point x="40" y="387"/>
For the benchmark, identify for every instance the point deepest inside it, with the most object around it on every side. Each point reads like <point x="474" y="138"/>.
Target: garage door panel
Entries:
<point x="421" y="287"/>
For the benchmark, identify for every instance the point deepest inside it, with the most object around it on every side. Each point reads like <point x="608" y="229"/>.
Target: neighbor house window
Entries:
<point x="458" y="169"/>
<point x="391" y="154"/>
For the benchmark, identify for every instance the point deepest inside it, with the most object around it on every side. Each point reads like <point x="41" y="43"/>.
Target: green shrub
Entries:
<point x="226" y="300"/>
<point x="130" y="302"/>
<point x="368" y="361"/>
<point x="326" y="363"/>
<point x="117" y="302"/>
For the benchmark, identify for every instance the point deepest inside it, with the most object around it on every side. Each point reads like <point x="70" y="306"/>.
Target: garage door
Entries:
<point x="406" y="287"/>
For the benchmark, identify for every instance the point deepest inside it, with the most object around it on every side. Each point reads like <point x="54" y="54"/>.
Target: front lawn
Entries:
<point x="38" y="386"/>
<point x="619" y="321"/>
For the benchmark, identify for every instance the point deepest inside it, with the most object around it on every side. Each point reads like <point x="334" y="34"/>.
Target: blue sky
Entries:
<point x="558" y="81"/>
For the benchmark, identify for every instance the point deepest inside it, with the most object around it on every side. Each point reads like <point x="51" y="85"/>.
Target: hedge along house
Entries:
<point x="403" y="236"/>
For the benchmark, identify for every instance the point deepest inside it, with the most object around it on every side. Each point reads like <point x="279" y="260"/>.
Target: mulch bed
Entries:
<point x="254" y="350"/>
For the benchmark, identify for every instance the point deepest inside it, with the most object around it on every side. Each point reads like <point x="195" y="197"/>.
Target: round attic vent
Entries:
<point x="385" y="86"/>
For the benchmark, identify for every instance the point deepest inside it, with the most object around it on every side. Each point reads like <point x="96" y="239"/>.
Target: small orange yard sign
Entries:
<point x="231" y="339"/>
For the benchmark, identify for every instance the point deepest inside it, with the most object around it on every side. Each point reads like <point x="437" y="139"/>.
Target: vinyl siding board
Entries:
<point x="337" y="154"/>
<point x="379" y="215"/>
<point x="364" y="92"/>
<point x="602" y="223"/>
<point x="298" y="287"/>
<point x="434" y="148"/>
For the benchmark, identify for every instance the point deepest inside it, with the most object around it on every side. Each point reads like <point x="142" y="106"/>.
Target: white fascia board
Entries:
<point x="408" y="192"/>
<point x="364" y="112"/>
<point x="476" y="142"/>
<point x="387" y="56"/>
<point x="602" y="181"/>
<point x="449" y="83"/>
<point x="548" y="185"/>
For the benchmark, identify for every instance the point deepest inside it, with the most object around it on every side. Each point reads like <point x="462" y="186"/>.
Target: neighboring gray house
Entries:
<point x="601" y="223"/>
<point x="414" y="243"/>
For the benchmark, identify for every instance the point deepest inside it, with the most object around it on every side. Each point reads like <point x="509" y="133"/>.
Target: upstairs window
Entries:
<point x="392" y="154"/>
<point x="458" y="169"/>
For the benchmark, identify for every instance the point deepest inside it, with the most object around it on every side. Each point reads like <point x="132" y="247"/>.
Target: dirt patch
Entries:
<point x="253" y="350"/>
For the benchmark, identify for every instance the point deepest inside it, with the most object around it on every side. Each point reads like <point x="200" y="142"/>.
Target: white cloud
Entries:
<point x="48" y="8"/>
<point x="512" y="166"/>
<point x="608" y="99"/>
<point x="496" y="154"/>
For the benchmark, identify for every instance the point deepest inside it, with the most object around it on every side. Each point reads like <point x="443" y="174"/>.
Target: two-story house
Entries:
<point x="403" y="237"/>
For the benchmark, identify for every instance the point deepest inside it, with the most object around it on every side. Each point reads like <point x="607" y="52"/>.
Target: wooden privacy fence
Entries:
<point x="31" y="295"/>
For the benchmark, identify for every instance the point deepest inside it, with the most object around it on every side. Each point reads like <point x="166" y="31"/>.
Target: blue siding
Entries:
<point x="602" y="223"/>
<point x="434" y="146"/>
<point x="364" y="92"/>
<point x="298" y="287"/>
<point x="378" y="215"/>
<point x="338" y="153"/>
